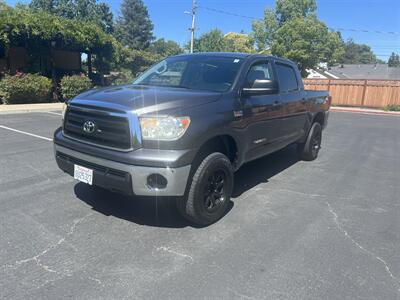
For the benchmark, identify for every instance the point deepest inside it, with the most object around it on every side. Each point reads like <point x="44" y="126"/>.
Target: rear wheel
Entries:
<point x="209" y="192"/>
<point x="309" y="150"/>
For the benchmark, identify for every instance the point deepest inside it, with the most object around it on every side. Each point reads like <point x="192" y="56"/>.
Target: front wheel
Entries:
<point x="309" y="150"/>
<point x="209" y="191"/>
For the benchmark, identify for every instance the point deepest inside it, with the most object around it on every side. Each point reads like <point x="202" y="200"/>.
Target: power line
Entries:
<point x="365" y="31"/>
<point x="229" y="13"/>
<point x="331" y="28"/>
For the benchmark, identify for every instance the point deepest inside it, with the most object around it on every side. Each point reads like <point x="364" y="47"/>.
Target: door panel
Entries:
<point x="294" y="109"/>
<point x="294" y="116"/>
<point x="261" y="114"/>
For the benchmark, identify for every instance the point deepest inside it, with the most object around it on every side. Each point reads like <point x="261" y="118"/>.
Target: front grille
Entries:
<point x="110" y="130"/>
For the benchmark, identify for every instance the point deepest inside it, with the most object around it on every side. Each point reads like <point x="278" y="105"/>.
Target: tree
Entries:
<point x="394" y="60"/>
<point x="215" y="41"/>
<point x="165" y="48"/>
<point x="238" y="42"/>
<point x="49" y="6"/>
<point x="334" y="48"/>
<point x="293" y="30"/>
<point x="212" y="41"/>
<point x="39" y="31"/>
<point x="358" y="54"/>
<point x="82" y="10"/>
<point x="264" y="31"/>
<point x="5" y="10"/>
<point x="308" y="42"/>
<point x="105" y="17"/>
<point x="289" y="10"/>
<point x="134" y="27"/>
<point x="131" y="62"/>
<point x="33" y="29"/>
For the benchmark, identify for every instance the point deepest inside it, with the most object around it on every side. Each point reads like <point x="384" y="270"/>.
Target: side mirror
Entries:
<point x="261" y="87"/>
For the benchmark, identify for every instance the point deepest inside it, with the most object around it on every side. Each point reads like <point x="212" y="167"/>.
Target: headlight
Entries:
<point x="64" y="110"/>
<point x="163" y="128"/>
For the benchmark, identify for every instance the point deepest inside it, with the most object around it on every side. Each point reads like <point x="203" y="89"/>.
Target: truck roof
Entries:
<point x="222" y="54"/>
<point x="235" y="55"/>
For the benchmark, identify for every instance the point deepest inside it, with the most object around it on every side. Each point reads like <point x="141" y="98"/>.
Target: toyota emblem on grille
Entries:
<point x="89" y="127"/>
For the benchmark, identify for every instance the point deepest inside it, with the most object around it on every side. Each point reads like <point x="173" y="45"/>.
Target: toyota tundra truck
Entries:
<point x="184" y="126"/>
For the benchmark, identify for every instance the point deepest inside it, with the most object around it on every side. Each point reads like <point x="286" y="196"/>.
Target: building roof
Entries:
<point x="366" y="71"/>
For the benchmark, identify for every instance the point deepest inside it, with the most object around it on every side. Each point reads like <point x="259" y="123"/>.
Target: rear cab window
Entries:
<point x="287" y="78"/>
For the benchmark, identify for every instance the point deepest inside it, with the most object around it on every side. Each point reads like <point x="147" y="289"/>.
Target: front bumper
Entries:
<point x="121" y="177"/>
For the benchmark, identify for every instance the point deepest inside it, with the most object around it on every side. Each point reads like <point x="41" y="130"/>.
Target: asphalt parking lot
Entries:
<point x="328" y="229"/>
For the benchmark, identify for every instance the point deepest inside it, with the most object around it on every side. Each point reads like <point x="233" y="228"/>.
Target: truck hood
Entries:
<point x="145" y="99"/>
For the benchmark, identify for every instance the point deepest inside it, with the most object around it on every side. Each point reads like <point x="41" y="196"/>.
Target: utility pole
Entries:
<point x="193" y="28"/>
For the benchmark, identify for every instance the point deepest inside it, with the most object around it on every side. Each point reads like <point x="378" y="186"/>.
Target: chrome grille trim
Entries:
<point x="133" y="126"/>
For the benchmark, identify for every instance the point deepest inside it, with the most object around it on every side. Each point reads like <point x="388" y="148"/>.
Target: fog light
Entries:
<point x="156" y="181"/>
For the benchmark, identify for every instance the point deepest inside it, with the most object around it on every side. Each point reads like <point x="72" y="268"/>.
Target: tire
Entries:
<point x="309" y="150"/>
<point x="209" y="192"/>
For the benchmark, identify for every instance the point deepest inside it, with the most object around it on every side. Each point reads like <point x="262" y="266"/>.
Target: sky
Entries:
<point x="171" y="22"/>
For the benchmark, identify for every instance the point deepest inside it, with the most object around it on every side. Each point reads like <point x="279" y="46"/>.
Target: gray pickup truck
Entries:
<point x="186" y="125"/>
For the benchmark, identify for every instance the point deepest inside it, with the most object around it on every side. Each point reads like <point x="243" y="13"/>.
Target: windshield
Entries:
<point x="211" y="73"/>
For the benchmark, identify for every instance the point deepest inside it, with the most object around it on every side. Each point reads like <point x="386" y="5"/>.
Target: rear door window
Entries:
<point x="287" y="78"/>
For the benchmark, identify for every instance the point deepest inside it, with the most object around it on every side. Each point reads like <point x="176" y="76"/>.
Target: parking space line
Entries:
<point x="26" y="133"/>
<point x="53" y="113"/>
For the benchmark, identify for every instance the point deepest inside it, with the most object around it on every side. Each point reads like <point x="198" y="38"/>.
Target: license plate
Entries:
<point x="83" y="174"/>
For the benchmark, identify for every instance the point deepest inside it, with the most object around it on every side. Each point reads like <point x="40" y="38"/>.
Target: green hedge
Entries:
<point x="29" y="88"/>
<point x="72" y="86"/>
<point x="392" y="107"/>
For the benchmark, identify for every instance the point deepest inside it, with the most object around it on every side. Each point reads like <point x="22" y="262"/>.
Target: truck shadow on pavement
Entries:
<point x="161" y="211"/>
<point x="262" y="169"/>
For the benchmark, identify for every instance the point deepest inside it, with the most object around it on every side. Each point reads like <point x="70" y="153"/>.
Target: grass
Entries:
<point x="392" y="107"/>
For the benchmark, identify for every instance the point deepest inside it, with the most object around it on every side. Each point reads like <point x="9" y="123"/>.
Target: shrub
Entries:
<point x="72" y="86"/>
<point x="29" y="88"/>
<point x="392" y="107"/>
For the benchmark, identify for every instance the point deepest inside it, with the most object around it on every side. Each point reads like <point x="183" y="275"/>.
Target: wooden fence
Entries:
<point x="367" y="93"/>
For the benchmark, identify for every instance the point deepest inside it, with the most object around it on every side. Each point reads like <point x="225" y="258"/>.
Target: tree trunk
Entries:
<point x="53" y="75"/>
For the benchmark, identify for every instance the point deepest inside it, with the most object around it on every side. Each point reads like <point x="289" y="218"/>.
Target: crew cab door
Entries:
<point x="261" y="112"/>
<point x="294" y="102"/>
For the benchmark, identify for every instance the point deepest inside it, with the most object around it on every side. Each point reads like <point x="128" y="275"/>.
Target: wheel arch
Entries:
<point x="224" y="143"/>
<point x="319" y="117"/>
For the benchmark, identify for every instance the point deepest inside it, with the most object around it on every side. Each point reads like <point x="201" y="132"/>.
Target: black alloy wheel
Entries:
<point x="214" y="191"/>
<point x="310" y="148"/>
<point x="316" y="143"/>
<point x="209" y="191"/>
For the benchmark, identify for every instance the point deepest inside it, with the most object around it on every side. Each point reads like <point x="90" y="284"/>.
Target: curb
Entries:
<point x="27" y="108"/>
<point x="365" y="111"/>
